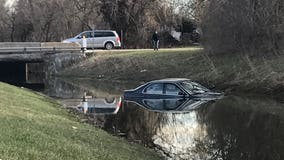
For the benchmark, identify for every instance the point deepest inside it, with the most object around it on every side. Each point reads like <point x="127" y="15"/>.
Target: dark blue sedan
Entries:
<point x="168" y="105"/>
<point x="170" y="88"/>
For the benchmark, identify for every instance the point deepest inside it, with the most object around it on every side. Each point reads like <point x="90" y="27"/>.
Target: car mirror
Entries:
<point x="79" y="37"/>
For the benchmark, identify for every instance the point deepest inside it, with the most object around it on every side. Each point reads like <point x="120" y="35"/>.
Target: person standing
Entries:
<point x="85" y="103"/>
<point x="84" y="45"/>
<point x="155" y="41"/>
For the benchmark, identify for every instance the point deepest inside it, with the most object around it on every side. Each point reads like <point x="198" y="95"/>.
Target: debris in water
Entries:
<point x="142" y="71"/>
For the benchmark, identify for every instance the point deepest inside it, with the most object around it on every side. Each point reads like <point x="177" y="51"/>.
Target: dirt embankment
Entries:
<point x="263" y="75"/>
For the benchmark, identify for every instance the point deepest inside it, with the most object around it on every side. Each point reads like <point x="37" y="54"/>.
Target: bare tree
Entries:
<point x="136" y="18"/>
<point x="247" y="26"/>
<point x="85" y="12"/>
<point x="4" y="21"/>
<point x="54" y="20"/>
<point x="50" y="20"/>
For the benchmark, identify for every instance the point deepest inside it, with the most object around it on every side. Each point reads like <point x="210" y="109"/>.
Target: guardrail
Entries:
<point x="30" y="50"/>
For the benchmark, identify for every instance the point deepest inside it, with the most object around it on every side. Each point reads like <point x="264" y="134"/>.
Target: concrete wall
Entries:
<point x="35" y="73"/>
<point x="58" y="62"/>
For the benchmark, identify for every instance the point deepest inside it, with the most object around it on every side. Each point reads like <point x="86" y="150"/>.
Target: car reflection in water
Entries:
<point x="100" y="105"/>
<point x="171" y="88"/>
<point x="169" y="105"/>
<point x="171" y="95"/>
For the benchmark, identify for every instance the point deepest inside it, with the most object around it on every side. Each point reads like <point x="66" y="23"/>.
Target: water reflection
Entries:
<point x="59" y="87"/>
<point x="171" y="104"/>
<point x="173" y="133"/>
<point x="100" y="106"/>
<point x="244" y="128"/>
<point x="230" y="128"/>
<point x="234" y="127"/>
<point x="94" y="105"/>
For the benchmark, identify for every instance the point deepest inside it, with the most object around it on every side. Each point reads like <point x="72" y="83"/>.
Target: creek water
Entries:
<point x="234" y="127"/>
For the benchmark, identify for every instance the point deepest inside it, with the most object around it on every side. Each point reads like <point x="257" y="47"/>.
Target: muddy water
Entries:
<point x="234" y="127"/>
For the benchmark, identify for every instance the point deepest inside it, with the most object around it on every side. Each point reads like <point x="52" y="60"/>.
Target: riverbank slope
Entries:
<point x="263" y="74"/>
<point x="36" y="127"/>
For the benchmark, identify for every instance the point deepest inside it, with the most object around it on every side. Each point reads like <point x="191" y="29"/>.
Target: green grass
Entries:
<point x="35" y="127"/>
<point x="236" y="71"/>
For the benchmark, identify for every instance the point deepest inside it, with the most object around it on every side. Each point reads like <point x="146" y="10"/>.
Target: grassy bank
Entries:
<point x="232" y="71"/>
<point x="35" y="127"/>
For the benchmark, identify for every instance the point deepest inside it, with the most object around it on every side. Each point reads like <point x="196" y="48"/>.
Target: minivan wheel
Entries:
<point x="109" y="46"/>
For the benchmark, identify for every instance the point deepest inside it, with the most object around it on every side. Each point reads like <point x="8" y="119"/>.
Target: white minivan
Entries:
<point x="107" y="39"/>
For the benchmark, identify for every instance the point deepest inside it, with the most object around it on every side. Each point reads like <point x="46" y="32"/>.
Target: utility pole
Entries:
<point x="121" y="38"/>
<point x="93" y="27"/>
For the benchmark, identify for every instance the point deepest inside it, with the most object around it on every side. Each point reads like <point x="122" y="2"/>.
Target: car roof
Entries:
<point x="100" y="31"/>
<point x="171" y="80"/>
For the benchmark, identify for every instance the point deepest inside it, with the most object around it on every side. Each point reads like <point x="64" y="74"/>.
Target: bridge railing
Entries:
<point x="27" y="50"/>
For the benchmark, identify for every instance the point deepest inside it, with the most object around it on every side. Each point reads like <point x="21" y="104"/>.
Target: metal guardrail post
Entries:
<point x="25" y="50"/>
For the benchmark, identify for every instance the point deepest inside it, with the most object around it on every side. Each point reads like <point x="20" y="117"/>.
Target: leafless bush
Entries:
<point x="247" y="26"/>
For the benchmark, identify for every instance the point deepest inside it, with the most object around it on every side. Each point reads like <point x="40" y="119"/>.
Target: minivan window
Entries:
<point x="104" y="34"/>
<point x="99" y="34"/>
<point x="108" y="34"/>
<point x="87" y="34"/>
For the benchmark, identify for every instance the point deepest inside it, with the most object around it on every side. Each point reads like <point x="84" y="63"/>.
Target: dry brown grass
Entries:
<point x="261" y="74"/>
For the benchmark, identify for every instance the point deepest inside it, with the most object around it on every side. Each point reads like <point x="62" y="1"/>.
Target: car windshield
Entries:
<point x="193" y="87"/>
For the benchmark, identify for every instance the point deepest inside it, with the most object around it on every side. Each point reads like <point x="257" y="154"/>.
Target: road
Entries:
<point x="134" y="50"/>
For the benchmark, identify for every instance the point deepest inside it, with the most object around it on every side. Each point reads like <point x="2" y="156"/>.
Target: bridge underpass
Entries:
<point x="24" y="63"/>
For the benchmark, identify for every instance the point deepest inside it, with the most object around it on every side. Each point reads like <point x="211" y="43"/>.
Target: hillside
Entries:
<point x="36" y="127"/>
<point x="227" y="72"/>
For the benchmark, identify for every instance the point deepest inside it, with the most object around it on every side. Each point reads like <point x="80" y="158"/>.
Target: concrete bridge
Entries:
<point x="29" y="62"/>
<point x="34" y="51"/>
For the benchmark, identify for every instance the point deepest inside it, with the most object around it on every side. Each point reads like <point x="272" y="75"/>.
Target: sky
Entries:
<point x="9" y="2"/>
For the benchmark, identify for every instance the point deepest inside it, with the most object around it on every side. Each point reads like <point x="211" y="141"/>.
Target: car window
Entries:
<point x="79" y="36"/>
<point x="173" y="103"/>
<point x="193" y="87"/>
<point x="108" y="34"/>
<point x="157" y="104"/>
<point x="172" y="89"/>
<point x="99" y="34"/>
<point x="87" y="34"/>
<point x="154" y="89"/>
<point x="163" y="104"/>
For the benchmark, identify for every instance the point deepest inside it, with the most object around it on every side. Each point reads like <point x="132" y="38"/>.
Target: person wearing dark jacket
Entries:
<point x="155" y="41"/>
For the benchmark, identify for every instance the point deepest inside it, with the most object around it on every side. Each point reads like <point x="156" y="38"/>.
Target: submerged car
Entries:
<point x="171" y="88"/>
<point x="168" y="105"/>
<point x="107" y="39"/>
